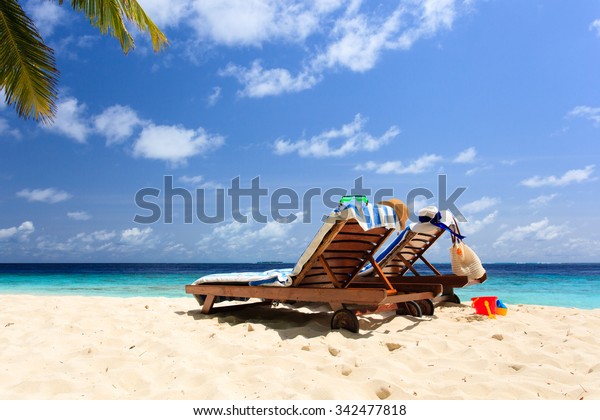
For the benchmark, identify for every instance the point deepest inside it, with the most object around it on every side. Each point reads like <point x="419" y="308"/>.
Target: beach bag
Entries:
<point x="465" y="261"/>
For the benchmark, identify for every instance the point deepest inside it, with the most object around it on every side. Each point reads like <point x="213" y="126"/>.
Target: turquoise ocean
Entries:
<point x="566" y="285"/>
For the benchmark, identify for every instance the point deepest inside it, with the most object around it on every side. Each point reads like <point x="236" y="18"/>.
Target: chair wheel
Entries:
<point x="454" y="299"/>
<point x="344" y="319"/>
<point x="427" y="306"/>
<point x="409" y="308"/>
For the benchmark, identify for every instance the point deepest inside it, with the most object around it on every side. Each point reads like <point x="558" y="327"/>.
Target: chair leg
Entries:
<point x="336" y="306"/>
<point x="207" y="306"/>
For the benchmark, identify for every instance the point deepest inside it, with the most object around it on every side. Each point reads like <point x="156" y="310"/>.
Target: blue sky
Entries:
<point x="502" y="97"/>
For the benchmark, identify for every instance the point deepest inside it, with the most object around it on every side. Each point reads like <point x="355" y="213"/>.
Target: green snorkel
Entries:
<point x="357" y="199"/>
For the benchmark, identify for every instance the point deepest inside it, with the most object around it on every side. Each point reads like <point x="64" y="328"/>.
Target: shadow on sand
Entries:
<point x="297" y="320"/>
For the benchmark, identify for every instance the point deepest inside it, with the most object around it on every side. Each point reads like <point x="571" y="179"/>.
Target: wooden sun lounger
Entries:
<point x="399" y="265"/>
<point x="330" y="275"/>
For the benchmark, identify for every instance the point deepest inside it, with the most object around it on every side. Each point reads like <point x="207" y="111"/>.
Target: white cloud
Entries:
<point x="569" y="177"/>
<point x="355" y="38"/>
<point x="253" y="22"/>
<point x="70" y="120"/>
<point x="473" y="226"/>
<point x="166" y="13"/>
<point x="595" y="27"/>
<point x="331" y="34"/>
<point x="430" y="16"/>
<point x="177" y="249"/>
<point x="117" y="123"/>
<point x="26" y="226"/>
<point x="97" y="236"/>
<point x="542" y="200"/>
<point x="244" y="22"/>
<point x="418" y="166"/>
<point x="5" y="126"/>
<point x="48" y="195"/>
<point x="135" y="236"/>
<point x="22" y="231"/>
<point x="235" y="237"/>
<point x="235" y="22"/>
<point x="102" y="235"/>
<point x="192" y="180"/>
<point x="348" y="139"/>
<point x="466" y="156"/>
<point x="69" y="46"/>
<point x="586" y="112"/>
<point x="583" y="245"/>
<point x="47" y="15"/>
<point x="477" y="169"/>
<point x="214" y="97"/>
<point x="174" y="144"/>
<point x="78" y="215"/>
<point x="359" y="41"/>
<point x="349" y="34"/>
<point x="477" y="206"/>
<point x="536" y="231"/>
<point x="47" y="245"/>
<point x="127" y="241"/>
<point x="259" y="82"/>
<point x="199" y="182"/>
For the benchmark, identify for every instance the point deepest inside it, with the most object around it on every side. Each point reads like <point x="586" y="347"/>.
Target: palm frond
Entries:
<point x="110" y="17"/>
<point x="27" y="70"/>
<point x="136" y="14"/>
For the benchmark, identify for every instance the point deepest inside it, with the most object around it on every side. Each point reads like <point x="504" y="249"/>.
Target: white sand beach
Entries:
<point x="65" y="347"/>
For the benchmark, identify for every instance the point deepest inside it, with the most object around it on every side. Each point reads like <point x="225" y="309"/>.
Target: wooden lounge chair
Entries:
<point x="398" y="260"/>
<point x="329" y="271"/>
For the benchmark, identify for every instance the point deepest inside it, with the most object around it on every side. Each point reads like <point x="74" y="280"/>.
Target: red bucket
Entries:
<point x="479" y="303"/>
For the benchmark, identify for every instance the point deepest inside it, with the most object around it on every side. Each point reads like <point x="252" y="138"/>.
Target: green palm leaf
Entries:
<point x="110" y="16"/>
<point x="27" y="68"/>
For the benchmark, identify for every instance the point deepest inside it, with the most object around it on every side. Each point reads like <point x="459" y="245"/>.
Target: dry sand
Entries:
<point x="55" y="347"/>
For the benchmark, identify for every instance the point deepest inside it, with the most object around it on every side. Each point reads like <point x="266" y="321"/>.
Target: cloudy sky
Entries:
<point x="501" y="97"/>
